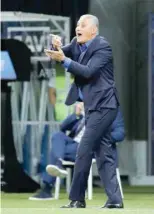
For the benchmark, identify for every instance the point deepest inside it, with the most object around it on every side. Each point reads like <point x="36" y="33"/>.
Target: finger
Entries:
<point x="47" y="54"/>
<point x="56" y="41"/>
<point x="58" y="44"/>
<point x="48" y="51"/>
<point x="52" y="52"/>
<point x="59" y="49"/>
<point x="55" y="37"/>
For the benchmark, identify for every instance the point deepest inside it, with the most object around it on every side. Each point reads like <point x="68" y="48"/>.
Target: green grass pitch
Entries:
<point x="138" y="200"/>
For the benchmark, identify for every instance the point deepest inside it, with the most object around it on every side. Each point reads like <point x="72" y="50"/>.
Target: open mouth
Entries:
<point x="79" y="34"/>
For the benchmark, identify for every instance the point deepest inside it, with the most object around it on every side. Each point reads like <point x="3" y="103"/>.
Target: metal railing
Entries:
<point x="35" y="143"/>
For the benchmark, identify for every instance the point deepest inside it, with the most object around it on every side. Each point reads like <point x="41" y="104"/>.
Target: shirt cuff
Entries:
<point x="66" y="63"/>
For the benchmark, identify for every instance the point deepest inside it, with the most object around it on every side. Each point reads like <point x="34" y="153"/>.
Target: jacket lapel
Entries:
<point x="76" y="52"/>
<point x="92" y="47"/>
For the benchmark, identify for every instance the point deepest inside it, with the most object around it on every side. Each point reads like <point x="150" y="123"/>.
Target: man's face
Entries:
<point x="85" y="30"/>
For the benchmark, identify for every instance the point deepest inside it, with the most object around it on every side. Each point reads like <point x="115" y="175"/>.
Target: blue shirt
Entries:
<point x="82" y="47"/>
<point x="67" y="61"/>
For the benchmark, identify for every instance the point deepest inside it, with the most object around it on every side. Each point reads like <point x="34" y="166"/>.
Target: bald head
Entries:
<point x="87" y="28"/>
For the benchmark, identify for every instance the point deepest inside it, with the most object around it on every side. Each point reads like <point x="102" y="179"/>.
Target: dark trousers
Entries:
<point x="62" y="147"/>
<point x="97" y="125"/>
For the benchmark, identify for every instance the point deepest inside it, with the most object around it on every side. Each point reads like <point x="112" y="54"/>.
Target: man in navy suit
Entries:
<point x="65" y="147"/>
<point x="89" y="58"/>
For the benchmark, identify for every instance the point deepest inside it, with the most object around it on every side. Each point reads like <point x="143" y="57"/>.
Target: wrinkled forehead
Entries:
<point x="84" y="20"/>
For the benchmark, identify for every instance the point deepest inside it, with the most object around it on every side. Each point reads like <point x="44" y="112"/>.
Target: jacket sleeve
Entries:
<point x="98" y="60"/>
<point x="68" y="123"/>
<point x="67" y="49"/>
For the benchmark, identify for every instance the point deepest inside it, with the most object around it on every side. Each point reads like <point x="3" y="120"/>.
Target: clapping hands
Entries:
<point x="57" y="55"/>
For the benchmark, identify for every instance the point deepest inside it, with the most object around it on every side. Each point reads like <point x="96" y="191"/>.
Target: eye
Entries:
<point x="83" y="25"/>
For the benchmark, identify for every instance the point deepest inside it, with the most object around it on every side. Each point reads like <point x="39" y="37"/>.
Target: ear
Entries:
<point x="94" y="30"/>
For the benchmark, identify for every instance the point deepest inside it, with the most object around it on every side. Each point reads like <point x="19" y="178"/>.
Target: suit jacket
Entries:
<point x="94" y="75"/>
<point x="71" y="124"/>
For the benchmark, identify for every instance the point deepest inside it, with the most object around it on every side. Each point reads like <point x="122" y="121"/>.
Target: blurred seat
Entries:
<point x="69" y="165"/>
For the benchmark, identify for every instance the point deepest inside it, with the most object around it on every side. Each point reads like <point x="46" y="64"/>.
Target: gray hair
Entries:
<point x="94" y="20"/>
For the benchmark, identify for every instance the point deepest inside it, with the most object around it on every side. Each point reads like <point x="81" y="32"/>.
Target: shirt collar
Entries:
<point x="88" y="43"/>
<point x="83" y="47"/>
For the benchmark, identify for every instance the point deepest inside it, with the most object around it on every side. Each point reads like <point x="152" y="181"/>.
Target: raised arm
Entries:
<point x="99" y="59"/>
<point x="67" y="50"/>
<point x="69" y="122"/>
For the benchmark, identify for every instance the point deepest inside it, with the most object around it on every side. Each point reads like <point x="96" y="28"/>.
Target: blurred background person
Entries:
<point x="64" y="147"/>
<point x="57" y="96"/>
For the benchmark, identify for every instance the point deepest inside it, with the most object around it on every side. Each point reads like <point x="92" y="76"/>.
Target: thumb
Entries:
<point x="59" y="49"/>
